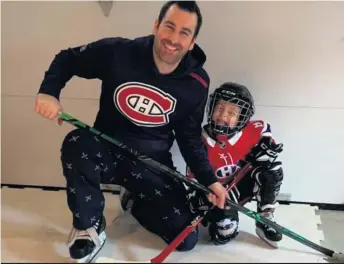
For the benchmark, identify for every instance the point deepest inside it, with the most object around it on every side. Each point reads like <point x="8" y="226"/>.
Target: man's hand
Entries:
<point x="48" y="107"/>
<point x="219" y="198"/>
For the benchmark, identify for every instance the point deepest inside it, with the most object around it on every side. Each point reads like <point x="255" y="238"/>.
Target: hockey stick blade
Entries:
<point x="338" y="257"/>
<point x="111" y="260"/>
<point x="177" y="175"/>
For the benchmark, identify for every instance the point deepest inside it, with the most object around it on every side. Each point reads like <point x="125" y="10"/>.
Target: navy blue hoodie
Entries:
<point x="139" y="106"/>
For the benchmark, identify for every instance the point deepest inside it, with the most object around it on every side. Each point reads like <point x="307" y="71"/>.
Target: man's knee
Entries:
<point x="70" y="141"/>
<point x="74" y="139"/>
<point x="77" y="151"/>
<point x="190" y="241"/>
<point x="79" y="141"/>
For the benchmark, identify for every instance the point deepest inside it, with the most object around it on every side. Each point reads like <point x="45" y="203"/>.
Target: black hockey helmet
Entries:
<point x="236" y="94"/>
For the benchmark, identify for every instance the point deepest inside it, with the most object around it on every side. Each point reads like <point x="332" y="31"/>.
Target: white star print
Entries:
<point x="69" y="165"/>
<point x="141" y="195"/>
<point x="136" y="175"/>
<point x="168" y="186"/>
<point x="176" y="211"/>
<point x="157" y="192"/>
<point x="93" y="219"/>
<point x="119" y="156"/>
<point x="72" y="190"/>
<point x="74" y="138"/>
<point x="97" y="168"/>
<point x="77" y="215"/>
<point x="99" y="155"/>
<point x="84" y="156"/>
<point x="88" y="198"/>
<point x="95" y="137"/>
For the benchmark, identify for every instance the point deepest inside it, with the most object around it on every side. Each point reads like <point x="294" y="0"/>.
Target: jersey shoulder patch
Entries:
<point x="260" y="126"/>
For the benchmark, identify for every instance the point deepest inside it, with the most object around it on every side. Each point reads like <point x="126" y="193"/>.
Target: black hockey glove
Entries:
<point x="265" y="153"/>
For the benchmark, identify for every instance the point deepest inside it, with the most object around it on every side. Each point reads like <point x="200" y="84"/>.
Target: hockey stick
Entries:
<point x="176" y="175"/>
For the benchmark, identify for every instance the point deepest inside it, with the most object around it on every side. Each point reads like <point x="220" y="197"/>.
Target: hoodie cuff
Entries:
<point x="206" y="178"/>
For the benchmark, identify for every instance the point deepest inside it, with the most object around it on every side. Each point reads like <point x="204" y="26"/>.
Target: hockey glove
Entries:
<point x="265" y="153"/>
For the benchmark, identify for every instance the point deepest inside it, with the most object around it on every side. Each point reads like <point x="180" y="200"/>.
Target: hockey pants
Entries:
<point x="88" y="161"/>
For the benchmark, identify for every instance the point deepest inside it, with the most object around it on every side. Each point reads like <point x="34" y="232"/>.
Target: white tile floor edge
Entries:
<point x="36" y="223"/>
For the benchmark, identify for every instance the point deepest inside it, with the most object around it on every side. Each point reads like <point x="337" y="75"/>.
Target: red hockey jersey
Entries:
<point x="224" y="157"/>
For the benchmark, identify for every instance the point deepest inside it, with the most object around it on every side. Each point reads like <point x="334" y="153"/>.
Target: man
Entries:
<point x="230" y="137"/>
<point x="154" y="90"/>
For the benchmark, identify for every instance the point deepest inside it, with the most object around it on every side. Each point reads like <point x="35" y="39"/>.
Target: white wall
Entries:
<point x="290" y="55"/>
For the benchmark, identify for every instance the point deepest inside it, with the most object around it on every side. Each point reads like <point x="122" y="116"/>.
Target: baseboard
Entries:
<point x="322" y="206"/>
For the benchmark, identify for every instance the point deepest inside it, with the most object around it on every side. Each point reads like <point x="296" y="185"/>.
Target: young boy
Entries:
<point x="229" y="137"/>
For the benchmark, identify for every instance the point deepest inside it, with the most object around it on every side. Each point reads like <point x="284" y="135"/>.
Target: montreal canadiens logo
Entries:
<point x="226" y="171"/>
<point x="143" y="104"/>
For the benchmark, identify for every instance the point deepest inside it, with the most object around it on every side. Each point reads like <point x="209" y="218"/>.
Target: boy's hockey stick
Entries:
<point x="175" y="174"/>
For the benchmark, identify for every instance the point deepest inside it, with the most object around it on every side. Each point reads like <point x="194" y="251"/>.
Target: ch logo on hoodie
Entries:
<point x="143" y="104"/>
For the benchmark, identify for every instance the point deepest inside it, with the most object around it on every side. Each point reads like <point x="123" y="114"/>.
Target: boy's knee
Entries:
<point x="189" y="242"/>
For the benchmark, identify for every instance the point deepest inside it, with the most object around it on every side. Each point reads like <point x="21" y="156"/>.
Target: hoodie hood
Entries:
<point x="193" y="60"/>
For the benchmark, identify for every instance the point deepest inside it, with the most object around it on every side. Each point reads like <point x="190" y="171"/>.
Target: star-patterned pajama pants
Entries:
<point x="160" y="207"/>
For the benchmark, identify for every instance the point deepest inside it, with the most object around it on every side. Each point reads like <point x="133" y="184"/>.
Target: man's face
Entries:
<point x="174" y="37"/>
<point x="226" y="114"/>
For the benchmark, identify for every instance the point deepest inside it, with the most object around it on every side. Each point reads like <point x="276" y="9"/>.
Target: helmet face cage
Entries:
<point x="245" y="106"/>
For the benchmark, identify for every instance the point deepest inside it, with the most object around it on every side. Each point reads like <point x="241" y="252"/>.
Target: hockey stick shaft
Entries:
<point x="175" y="174"/>
<point x="141" y="157"/>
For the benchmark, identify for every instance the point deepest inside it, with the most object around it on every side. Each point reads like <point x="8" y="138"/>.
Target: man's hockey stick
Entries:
<point x="176" y="175"/>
